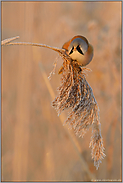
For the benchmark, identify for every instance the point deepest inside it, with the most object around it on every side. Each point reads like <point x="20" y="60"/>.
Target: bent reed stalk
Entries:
<point x="76" y="94"/>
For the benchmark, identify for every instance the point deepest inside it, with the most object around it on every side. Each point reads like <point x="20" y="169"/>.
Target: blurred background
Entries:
<point x="35" y="144"/>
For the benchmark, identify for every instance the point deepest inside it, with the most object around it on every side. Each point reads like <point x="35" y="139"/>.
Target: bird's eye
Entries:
<point x="71" y="50"/>
<point x="79" y="50"/>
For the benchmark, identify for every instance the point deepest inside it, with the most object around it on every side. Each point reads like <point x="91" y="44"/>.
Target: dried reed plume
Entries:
<point x="75" y="93"/>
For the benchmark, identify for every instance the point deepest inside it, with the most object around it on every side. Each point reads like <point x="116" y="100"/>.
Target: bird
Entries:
<point x="79" y="49"/>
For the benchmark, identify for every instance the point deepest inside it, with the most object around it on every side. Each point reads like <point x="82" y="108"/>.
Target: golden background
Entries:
<point x="35" y="144"/>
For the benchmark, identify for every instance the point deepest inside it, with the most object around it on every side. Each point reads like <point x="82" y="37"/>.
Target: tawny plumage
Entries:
<point x="79" y="49"/>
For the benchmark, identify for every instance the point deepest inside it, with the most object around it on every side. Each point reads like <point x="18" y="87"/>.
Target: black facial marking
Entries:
<point x="79" y="50"/>
<point x="71" y="50"/>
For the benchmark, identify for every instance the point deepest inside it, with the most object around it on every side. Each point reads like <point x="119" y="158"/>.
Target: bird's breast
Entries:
<point x="77" y="56"/>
